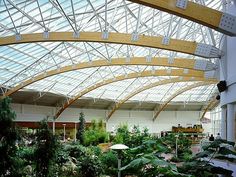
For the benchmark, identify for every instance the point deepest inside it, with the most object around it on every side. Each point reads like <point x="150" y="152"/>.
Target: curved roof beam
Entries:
<point x="162" y="107"/>
<point x="201" y="14"/>
<point x="159" y="83"/>
<point x="160" y="42"/>
<point x="210" y="105"/>
<point x="178" y="62"/>
<point x="163" y="72"/>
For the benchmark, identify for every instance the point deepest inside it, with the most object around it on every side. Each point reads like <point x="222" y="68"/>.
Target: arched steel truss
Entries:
<point x="174" y="72"/>
<point x="160" y="42"/>
<point x="195" y="12"/>
<point x="213" y="103"/>
<point x="178" y="62"/>
<point x="162" y="107"/>
<point x="163" y="82"/>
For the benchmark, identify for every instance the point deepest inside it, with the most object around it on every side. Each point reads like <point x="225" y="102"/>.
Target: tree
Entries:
<point x="81" y="129"/>
<point x="46" y="148"/>
<point x="8" y="137"/>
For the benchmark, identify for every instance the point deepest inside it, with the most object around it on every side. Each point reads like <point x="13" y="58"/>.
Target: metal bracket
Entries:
<point x="228" y="23"/>
<point x="76" y="34"/>
<point x="105" y="34"/>
<point x="168" y="71"/>
<point x="165" y="40"/>
<point x="18" y="37"/>
<point x="134" y="36"/>
<point x="45" y="34"/>
<point x="182" y="4"/>
<point x="127" y="59"/>
<point x="171" y="60"/>
<point x="200" y="64"/>
<point x="210" y="74"/>
<point x="186" y="71"/>
<point x="148" y="58"/>
<point x="153" y="70"/>
<point x="208" y="51"/>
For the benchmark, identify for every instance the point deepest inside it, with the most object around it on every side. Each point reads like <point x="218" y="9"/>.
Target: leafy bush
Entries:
<point x="183" y="143"/>
<point x="149" y="165"/>
<point x="80" y="161"/>
<point x="81" y="129"/>
<point x="95" y="134"/>
<point x="203" y="168"/>
<point x="109" y="162"/>
<point x="90" y="164"/>
<point x="9" y="162"/>
<point x="45" y="152"/>
<point x="131" y="139"/>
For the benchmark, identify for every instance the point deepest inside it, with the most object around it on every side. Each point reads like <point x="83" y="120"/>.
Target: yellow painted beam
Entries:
<point x="213" y="103"/>
<point x="116" y="38"/>
<point x="163" y="72"/>
<point x="159" y="83"/>
<point x="182" y="90"/>
<point x="195" y="12"/>
<point x="178" y="62"/>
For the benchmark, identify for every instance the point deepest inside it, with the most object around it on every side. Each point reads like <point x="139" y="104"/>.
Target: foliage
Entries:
<point x="90" y="165"/>
<point x="46" y="157"/>
<point x="45" y="152"/>
<point x="76" y="159"/>
<point x="8" y="136"/>
<point x="81" y="129"/>
<point x="183" y="143"/>
<point x="26" y="159"/>
<point x="95" y="134"/>
<point x="122" y="135"/>
<point x="149" y="165"/>
<point x="202" y="167"/>
<point x="131" y="139"/>
<point x="109" y="163"/>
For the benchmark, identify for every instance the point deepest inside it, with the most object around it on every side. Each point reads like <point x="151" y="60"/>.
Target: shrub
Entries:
<point x="45" y="153"/>
<point x="95" y="134"/>
<point x="81" y="129"/>
<point x="9" y="163"/>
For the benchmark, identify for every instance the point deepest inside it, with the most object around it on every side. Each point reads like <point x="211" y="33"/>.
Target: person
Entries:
<point x="218" y="137"/>
<point x="211" y="138"/>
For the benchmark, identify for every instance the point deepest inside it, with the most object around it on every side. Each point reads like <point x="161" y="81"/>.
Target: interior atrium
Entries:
<point x="125" y="71"/>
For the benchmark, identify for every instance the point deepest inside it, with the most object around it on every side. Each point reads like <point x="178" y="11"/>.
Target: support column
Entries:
<point x="223" y="123"/>
<point x="53" y="126"/>
<point x="230" y="122"/>
<point x="75" y="132"/>
<point x="228" y="73"/>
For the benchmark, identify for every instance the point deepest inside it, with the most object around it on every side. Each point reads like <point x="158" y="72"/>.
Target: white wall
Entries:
<point x="164" y="121"/>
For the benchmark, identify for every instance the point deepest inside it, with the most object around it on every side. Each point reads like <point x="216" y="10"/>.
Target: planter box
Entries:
<point x="104" y="146"/>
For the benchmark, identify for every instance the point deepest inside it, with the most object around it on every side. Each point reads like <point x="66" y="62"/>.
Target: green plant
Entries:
<point x="131" y="139"/>
<point x="81" y="129"/>
<point x="45" y="152"/>
<point x="122" y="135"/>
<point x="9" y="163"/>
<point x="109" y="163"/>
<point x="183" y="144"/>
<point x="203" y="168"/>
<point x="149" y="165"/>
<point x="95" y="134"/>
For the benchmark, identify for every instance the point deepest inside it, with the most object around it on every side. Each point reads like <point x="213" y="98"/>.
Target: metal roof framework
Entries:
<point x="24" y="61"/>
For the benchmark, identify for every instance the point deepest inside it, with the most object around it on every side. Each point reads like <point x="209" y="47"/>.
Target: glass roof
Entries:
<point x="20" y="62"/>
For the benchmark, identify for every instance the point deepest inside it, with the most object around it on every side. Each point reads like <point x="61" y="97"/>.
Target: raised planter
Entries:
<point x="104" y="146"/>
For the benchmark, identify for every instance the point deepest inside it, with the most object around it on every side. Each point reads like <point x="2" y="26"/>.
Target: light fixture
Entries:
<point x="222" y="86"/>
<point x="119" y="148"/>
